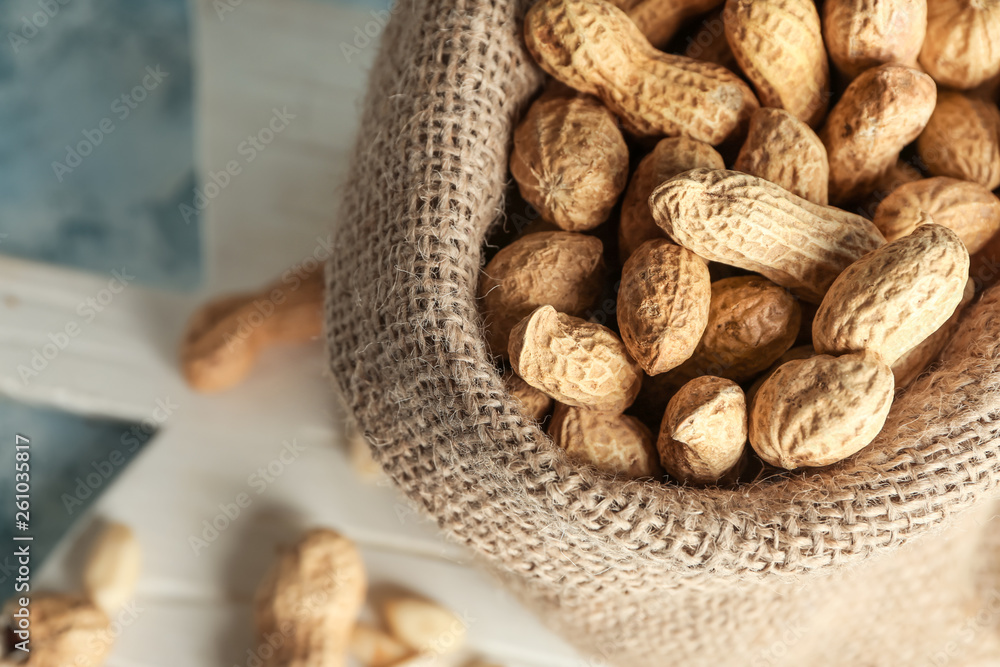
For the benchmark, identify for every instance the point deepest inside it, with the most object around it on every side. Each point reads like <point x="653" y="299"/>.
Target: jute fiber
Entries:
<point x="881" y="560"/>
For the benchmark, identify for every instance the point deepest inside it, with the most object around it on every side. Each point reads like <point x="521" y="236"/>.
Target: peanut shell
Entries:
<point x="967" y="208"/>
<point x="962" y="46"/>
<point x="782" y="149"/>
<point x="612" y="442"/>
<point x="704" y="431"/>
<point x="817" y="411"/>
<point x="779" y="45"/>
<point x="892" y="299"/>
<point x="570" y="160"/>
<point x="659" y="19"/>
<point x="576" y="362"/>
<point x="961" y="140"/>
<point x="663" y="304"/>
<point x="561" y="269"/>
<point x="883" y="110"/>
<point x="534" y="402"/>
<point x="861" y="34"/>
<point x="593" y="47"/>
<point x="745" y="221"/>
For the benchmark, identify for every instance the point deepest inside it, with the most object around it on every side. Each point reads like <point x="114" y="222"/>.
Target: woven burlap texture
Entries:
<point x="876" y="561"/>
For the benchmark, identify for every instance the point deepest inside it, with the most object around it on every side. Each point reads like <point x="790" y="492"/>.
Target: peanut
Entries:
<point x="64" y="630"/>
<point x="961" y="140"/>
<point x="745" y="221"/>
<point x="663" y="304"/>
<point x="782" y="149"/>
<point x="861" y="34"/>
<point x="909" y="366"/>
<point x="375" y="648"/>
<point x="112" y="568"/>
<point x="424" y="626"/>
<point x="797" y="352"/>
<point x="574" y="361"/>
<point x="317" y="588"/>
<point x="817" y="411"/>
<point x="779" y="45"/>
<point x="612" y="442"/>
<point x="892" y="299"/>
<point x="561" y="269"/>
<point x="535" y="403"/>
<point x="883" y="110"/>
<point x="593" y="47"/>
<point x="967" y="208"/>
<point x="962" y="46"/>
<point x="223" y="341"/>
<point x="659" y="19"/>
<point x="670" y="157"/>
<point x="704" y="431"/>
<point x="570" y="160"/>
<point x="751" y="322"/>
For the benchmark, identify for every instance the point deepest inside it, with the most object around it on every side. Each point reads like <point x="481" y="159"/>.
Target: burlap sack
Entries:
<point x="876" y="561"/>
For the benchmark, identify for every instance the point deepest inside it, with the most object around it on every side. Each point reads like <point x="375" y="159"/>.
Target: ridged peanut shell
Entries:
<point x="883" y="110"/>
<point x="782" y="149"/>
<point x="909" y="366"/>
<point x="612" y="442"/>
<point x="570" y="160"/>
<point x="593" y="47"/>
<point x="751" y="322"/>
<point x="576" y="362"/>
<point x="961" y="139"/>
<point x="534" y="402"/>
<point x="861" y="34"/>
<point x="891" y="300"/>
<point x="746" y="221"/>
<point x="962" y="46"/>
<point x="65" y="630"/>
<point x="659" y="19"/>
<point x="967" y="208"/>
<point x="663" y="304"/>
<point x="817" y="411"/>
<point x="562" y="269"/>
<point x="779" y="45"/>
<point x="704" y="431"/>
<point x="797" y="352"/>
<point x="670" y="157"/>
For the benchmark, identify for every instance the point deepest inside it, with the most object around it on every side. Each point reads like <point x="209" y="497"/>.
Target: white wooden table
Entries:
<point x="195" y="606"/>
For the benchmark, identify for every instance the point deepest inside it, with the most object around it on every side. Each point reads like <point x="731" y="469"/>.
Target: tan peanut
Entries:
<point x="424" y="626"/>
<point x="663" y="304"/>
<point x="817" y="411"/>
<point x="909" y="366"/>
<point x="704" y="431"/>
<point x="615" y="443"/>
<point x="883" y="110"/>
<point x="64" y="630"/>
<point x="782" y="149"/>
<point x="593" y="47"/>
<point x="967" y="208"/>
<point x="570" y="160"/>
<point x="576" y="362"/>
<point x="112" y="568"/>
<point x="779" y="45"/>
<point x="861" y="34"/>
<point x="962" y="46"/>
<point x="670" y="157"/>
<point x="375" y="648"/>
<point x="659" y="19"/>
<point x="561" y="269"/>
<point x="745" y="221"/>
<point x="797" y="352"/>
<point x="961" y="139"/>
<point x="224" y="337"/>
<point x="534" y="402"/>
<point x="892" y="299"/>
<point x="316" y="588"/>
<point x="751" y="323"/>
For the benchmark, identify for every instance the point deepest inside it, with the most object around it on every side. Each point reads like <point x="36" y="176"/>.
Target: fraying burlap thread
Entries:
<point x="871" y="562"/>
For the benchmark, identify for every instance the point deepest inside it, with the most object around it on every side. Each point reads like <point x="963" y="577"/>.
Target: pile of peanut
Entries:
<point x="741" y="306"/>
